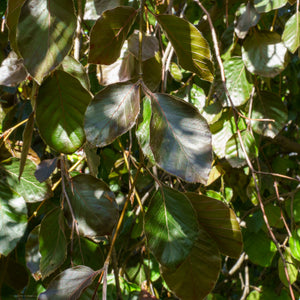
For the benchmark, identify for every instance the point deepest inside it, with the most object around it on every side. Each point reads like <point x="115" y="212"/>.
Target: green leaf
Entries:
<point x="112" y="113"/>
<point x="52" y="242"/>
<point x="291" y="267"/>
<point x="13" y="221"/>
<point x="294" y="243"/>
<point x="180" y="138"/>
<point x="268" y="105"/>
<point x="50" y="28"/>
<point x="234" y="153"/>
<point x="69" y="284"/>
<point x="94" y="206"/>
<point x="220" y="223"/>
<point x="264" y="6"/>
<point x="190" y="46"/>
<point x="259" y="248"/>
<point x="28" y="186"/>
<point x="60" y="108"/>
<point x="264" y="53"/>
<point x="293" y="206"/>
<point x="197" y="275"/>
<point x="170" y="226"/>
<point x="237" y="83"/>
<point x="109" y="33"/>
<point x="291" y="33"/>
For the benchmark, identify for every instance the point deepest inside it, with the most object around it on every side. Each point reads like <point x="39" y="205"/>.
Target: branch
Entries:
<point x="78" y="30"/>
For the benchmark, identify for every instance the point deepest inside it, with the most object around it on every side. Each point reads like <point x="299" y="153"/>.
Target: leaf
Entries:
<point x="248" y="17"/>
<point x="237" y="83"/>
<point x="60" y="107"/>
<point x="50" y="28"/>
<point x="109" y="33"/>
<point x="52" y="242"/>
<point x="94" y="8"/>
<point x="69" y="284"/>
<point x="294" y="243"/>
<point x="152" y="70"/>
<point x="94" y="206"/>
<point x="13" y="221"/>
<point x="264" y="6"/>
<point x="170" y="226"/>
<point x="30" y="189"/>
<point x="27" y="137"/>
<point x="268" y="105"/>
<point x="220" y="223"/>
<point x="180" y="138"/>
<point x="190" y="46"/>
<point x="293" y="207"/>
<point x="264" y="53"/>
<point x="112" y="113"/>
<point x="45" y="169"/>
<point x="291" y="33"/>
<point x="291" y="267"/>
<point x="234" y="153"/>
<point x="12" y="70"/>
<point x="198" y="274"/>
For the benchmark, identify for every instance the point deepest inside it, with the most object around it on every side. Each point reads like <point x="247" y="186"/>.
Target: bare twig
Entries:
<point x="78" y="30"/>
<point x="238" y="264"/>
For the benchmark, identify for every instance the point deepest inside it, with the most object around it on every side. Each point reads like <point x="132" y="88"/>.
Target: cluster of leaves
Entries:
<point x="126" y="158"/>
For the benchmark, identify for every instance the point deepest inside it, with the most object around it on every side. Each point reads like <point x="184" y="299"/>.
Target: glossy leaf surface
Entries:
<point x="180" y="138"/>
<point x="294" y="243"/>
<point x="60" y="109"/>
<point x="171" y="227"/>
<point x="291" y="267"/>
<point x="190" y="46"/>
<point x="50" y="28"/>
<point x="109" y="33"/>
<point x="263" y="6"/>
<point x="112" y="113"/>
<point x="291" y="33"/>
<point x="220" y="223"/>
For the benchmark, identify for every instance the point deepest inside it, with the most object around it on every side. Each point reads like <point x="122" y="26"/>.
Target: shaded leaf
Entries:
<point x="92" y="158"/>
<point x="94" y="206"/>
<point x="50" y="28"/>
<point x="293" y="207"/>
<point x="234" y="153"/>
<point x="198" y="274"/>
<point x="263" y="6"/>
<point x="60" y="107"/>
<point x="291" y="267"/>
<point x="264" y="53"/>
<point x="69" y="284"/>
<point x="109" y="33"/>
<point x="52" y="242"/>
<point x="291" y="33"/>
<point x="45" y="169"/>
<point x="170" y="226"/>
<point x="13" y="221"/>
<point x="152" y="72"/>
<point x="180" y="138"/>
<point x="190" y="46"/>
<point x="112" y="113"/>
<point x="220" y="223"/>
<point x="28" y="186"/>
<point x="268" y="105"/>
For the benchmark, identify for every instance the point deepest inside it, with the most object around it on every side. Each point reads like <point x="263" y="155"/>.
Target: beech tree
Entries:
<point x="149" y="149"/>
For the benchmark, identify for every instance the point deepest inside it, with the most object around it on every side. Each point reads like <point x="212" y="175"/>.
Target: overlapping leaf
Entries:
<point x="291" y="33"/>
<point x="220" y="222"/>
<point x="190" y="46"/>
<point x="109" y="33"/>
<point x="180" y="138"/>
<point x="50" y="28"/>
<point x="171" y="227"/>
<point x="264" y="6"/>
<point x="94" y="8"/>
<point x="60" y="108"/>
<point x="112" y="113"/>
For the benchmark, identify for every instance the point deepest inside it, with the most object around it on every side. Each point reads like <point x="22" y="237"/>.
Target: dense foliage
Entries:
<point x="149" y="149"/>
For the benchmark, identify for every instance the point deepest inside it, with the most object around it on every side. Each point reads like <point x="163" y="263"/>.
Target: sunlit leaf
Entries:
<point x="50" y="29"/>
<point x="220" y="223"/>
<point x="94" y="206"/>
<point x="94" y="8"/>
<point x="69" y="284"/>
<point x="264" y="53"/>
<point x="294" y="243"/>
<point x="180" y="138"/>
<point x="291" y="33"/>
<point x="198" y="273"/>
<point x="112" y="113"/>
<point x="109" y="33"/>
<point x="291" y="267"/>
<point x="60" y="109"/>
<point x="263" y="6"/>
<point x="190" y="46"/>
<point x="52" y="242"/>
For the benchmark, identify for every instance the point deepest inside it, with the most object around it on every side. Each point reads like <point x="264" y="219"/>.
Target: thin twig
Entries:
<point x="78" y="30"/>
<point x="237" y="265"/>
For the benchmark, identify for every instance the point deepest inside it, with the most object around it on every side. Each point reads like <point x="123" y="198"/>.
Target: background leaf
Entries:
<point x="50" y="28"/>
<point x="190" y="46"/>
<point x="291" y="267"/>
<point x="112" y="113"/>
<point x="170" y="226"/>
<point x="45" y="169"/>
<point x="60" y="108"/>
<point x="291" y="33"/>
<point x="180" y="138"/>
<point x="94" y="8"/>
